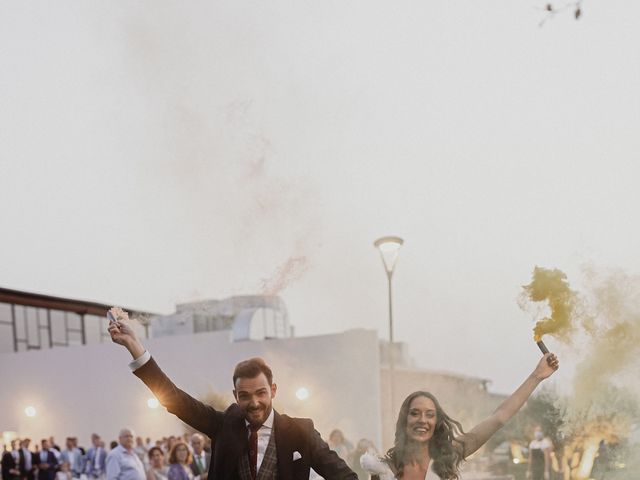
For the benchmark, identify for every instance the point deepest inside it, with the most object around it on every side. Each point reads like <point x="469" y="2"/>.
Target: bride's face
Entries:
<point x="421" y="419"/>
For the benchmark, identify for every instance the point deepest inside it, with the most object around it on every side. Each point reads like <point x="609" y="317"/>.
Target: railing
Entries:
<point x="31" y="321"/>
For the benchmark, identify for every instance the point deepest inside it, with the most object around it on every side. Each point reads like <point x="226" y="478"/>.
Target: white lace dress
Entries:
<point x="375" y="466"/>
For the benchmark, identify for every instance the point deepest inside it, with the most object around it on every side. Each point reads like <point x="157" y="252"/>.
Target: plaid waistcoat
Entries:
<point x="268" y="467"/>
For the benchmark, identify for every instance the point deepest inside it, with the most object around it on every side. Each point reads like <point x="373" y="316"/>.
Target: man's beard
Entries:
<point x="262" y="412"/>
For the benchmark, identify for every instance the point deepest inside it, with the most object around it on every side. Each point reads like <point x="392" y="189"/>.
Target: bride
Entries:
<point x="430" y="445"/>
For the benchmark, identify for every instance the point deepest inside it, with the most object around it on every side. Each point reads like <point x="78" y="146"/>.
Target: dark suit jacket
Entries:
<point x="49" y="473"/>
<point x="231" y="436"/>
<point x="194" y="465"/>
<point x="24" y="473"/>
<point x="8" y="463"/>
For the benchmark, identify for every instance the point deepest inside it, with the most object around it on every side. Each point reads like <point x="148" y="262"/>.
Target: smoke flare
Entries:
<point x="602" y="326"/>
<point x="552" y="286"/>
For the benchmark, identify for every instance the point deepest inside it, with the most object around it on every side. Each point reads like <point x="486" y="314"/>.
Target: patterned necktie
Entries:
<point x="199" y="464"/>
<point x="253" y="450"/>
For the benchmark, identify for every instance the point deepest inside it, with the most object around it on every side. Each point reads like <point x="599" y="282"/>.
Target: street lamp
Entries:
<point x="389" y="248"/>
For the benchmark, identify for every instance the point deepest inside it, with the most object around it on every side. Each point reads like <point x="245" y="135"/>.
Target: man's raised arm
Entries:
<point x="191" y="411"/>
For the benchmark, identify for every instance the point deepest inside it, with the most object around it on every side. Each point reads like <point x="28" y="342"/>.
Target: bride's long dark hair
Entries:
<point x="446" y="457"/>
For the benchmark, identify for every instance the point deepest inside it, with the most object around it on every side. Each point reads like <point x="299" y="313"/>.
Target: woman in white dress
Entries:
<point x="430" y="445"/>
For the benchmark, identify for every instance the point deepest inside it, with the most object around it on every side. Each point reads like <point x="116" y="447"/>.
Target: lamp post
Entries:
<point x="389" y="247"/>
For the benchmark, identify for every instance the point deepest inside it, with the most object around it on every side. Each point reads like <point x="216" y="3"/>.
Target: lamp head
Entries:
<point x="389" y="248"/>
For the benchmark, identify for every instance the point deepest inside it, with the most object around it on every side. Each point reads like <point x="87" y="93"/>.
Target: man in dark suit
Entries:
<point x="26" y="461"/>
<point x="46" y="461"/>
<point x="252" y="441"/>
<point x="10" y="460"/>
<point x="201" y="458"/>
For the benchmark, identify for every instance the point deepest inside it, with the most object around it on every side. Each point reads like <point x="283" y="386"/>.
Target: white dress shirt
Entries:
<point x="140" y="361"/>
<point x="27" y="458"/>
<point x="264" y="435"/>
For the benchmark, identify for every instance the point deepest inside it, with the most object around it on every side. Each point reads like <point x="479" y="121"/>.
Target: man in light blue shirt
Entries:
<point x="73" y="456"/>
<point x="96" y="457"/>
<point x="122" y="462"/>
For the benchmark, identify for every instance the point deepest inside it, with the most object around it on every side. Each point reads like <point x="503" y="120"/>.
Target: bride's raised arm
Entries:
<point x="481" y="433"/>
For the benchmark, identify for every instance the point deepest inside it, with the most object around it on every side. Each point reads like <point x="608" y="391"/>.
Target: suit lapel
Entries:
<point x="235" y="443"/>
<point x="284" y="448"/>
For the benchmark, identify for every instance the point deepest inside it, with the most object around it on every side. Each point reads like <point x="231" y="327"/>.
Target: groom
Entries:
<point x="252" y="440"/>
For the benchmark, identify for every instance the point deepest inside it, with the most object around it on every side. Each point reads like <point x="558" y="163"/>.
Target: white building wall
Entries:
<point x="80" y="390"/>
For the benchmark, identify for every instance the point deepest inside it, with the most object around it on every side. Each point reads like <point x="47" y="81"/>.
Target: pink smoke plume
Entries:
<point x="289" y="271"/>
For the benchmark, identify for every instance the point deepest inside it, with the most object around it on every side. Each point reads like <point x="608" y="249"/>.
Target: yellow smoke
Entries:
<point x="552" y="286"/>
<point x="602" y="325"/>
<point x="611" y="321"/>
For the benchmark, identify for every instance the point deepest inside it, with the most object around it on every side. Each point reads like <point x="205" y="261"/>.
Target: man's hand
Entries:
<point x="546" y="366"/>
<point x="122" y="332"/>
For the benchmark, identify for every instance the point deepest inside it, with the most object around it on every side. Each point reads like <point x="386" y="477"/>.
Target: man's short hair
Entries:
<point x="252" y="368"/>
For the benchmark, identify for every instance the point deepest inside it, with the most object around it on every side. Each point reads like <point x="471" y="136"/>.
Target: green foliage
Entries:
<point x="545" y="409"/>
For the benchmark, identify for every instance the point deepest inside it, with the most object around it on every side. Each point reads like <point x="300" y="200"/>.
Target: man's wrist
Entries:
<point x="136" y="349"/>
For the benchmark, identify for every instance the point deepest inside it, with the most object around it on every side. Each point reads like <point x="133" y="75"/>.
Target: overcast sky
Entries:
<point x="155" y="152"/>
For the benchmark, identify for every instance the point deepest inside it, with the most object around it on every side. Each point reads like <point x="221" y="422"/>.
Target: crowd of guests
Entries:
<point x="179" y="457"/>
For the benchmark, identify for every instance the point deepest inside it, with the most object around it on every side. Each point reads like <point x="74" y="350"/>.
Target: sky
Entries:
<point x="159" y="152"/>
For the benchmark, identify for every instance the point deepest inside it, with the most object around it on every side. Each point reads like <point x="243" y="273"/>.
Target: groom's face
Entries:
<point x="254" y="396"/>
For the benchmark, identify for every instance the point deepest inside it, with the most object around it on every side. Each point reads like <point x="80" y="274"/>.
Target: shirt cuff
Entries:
<point x="140" y="361"/>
